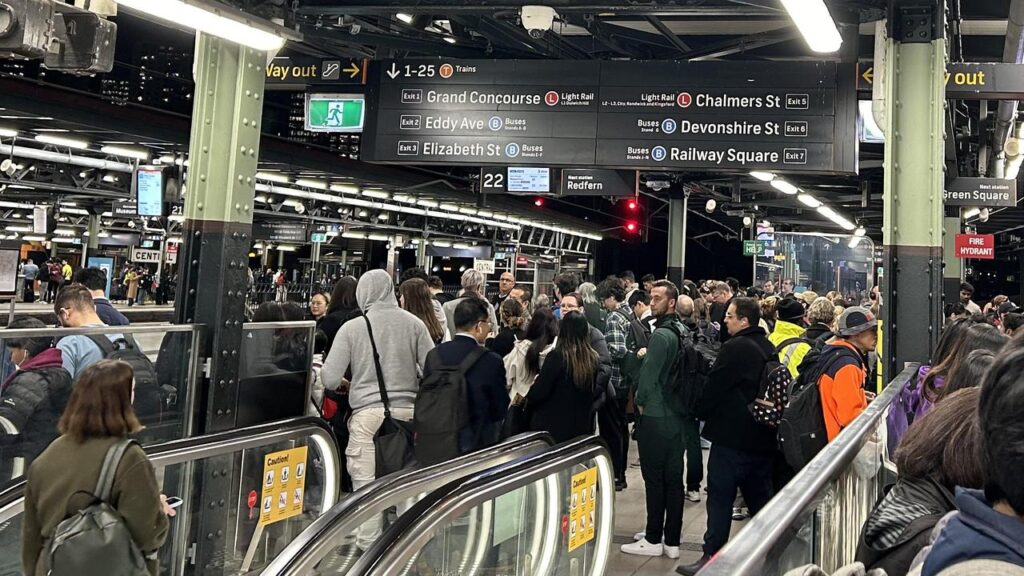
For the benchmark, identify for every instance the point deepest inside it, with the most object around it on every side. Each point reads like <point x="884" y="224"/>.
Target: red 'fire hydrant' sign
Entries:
<point x="976" y="246"/>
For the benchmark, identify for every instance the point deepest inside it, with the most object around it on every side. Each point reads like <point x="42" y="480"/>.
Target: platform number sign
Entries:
<point x="493" y="180"/>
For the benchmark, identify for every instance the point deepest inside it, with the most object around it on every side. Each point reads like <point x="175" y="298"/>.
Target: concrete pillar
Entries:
<point x="915" y="102"/>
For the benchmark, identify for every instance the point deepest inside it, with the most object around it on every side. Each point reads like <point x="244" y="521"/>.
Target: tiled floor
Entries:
<point x="629" y="519"/>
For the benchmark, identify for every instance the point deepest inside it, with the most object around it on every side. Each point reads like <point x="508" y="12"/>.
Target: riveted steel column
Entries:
<point x="223" y="152"/>
<point x="952" y="267"/>
<point x="914" y="179"/>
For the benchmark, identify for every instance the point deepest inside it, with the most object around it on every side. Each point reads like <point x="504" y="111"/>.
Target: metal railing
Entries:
<point x="817" y="517"/>
<point x="303" y="554"/>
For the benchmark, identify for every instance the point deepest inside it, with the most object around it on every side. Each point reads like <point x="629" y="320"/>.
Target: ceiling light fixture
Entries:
<point x="403" y="17"/>
<point x="809" y="201"/>
<point x="344" y="188"/>
<point x="763" y="176"/>
<point x="378" y="194"/>
<point x="62" y="141"/>
<point x="214" y="19"/>
<point x="270" y="177"/>
<point x="815" y="24"/>
<point x="135" y="153"/>
<point x="8" y="132"/>
<point x="310" y="183"/>
<point x="971" y="213"/>
<point x="784" y="186"/>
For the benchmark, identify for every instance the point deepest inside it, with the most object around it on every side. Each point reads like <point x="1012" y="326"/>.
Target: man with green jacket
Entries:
<point x="659" y="433"/>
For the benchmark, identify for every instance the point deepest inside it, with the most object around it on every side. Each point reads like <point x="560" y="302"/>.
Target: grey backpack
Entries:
<point x="95" y="541"/>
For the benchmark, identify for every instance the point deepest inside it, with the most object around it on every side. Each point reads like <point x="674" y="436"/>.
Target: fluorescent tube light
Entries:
<point x="428" y="203"/>
<point x="860" y="232"/>
<point x="136" y="153"/>
<point x="450" y="40"/>
<point x="8" y="132"/>
<point x="809" y="200"/>
<point x="378" y="194"/>
<point x="310" y="183"/>
<point x="18" y="228"/>
<point x="62" y="141"/>
<point x="469" y="211"/>
<point x="378" y="237"/>
<point x="31" y="238"/>
<point x="449" y="207"/>
<point x="344" y="188"/>
<point x="971" y="213"/>
<point x="270" y="177"/>
<point x="210" y="20"/>
<point x="353" y="235"/>
<point x="403" y="17"/>
<point x="784" y="186"/>
<point x="814" y="22"/>
<point x="283" y="248"/>
<point x="763" y="176"/>
<point x="442" y="243"/>
<point x="403" y="198"/>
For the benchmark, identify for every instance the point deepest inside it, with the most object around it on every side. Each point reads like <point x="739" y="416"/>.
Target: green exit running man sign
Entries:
<point x="335" y="112"/>
<point x="753" y="248"/>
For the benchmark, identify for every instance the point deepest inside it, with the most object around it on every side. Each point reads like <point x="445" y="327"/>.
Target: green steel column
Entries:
<point x="677" y="219"/>
<point x="914" y="179"/>
<point x="223" y="152"/>
<point x="952" y="267"/>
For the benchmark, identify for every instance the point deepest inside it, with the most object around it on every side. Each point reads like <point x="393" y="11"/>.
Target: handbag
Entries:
<point x="393" y="441"/>
<point x="517" y="420"/>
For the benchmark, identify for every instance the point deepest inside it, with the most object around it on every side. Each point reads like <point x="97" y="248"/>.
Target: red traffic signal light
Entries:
<point x="538" y="202"/>
<point x="633" y="205"/>
<point x="632" y="227"/>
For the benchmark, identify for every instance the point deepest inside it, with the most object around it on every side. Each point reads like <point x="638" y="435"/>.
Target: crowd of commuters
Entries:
<point x="584" y="358"/>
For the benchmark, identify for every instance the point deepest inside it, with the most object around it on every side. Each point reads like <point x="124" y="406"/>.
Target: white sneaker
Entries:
<point x="672" y="552"/>
<point x="642" y="548"/>
<point x="639" y="536"/>
<point x="693" y="495"/>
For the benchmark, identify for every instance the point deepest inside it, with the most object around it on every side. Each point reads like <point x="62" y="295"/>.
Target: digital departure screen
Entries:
<point x="149" y="191"/>
<point x="529" y="180"/>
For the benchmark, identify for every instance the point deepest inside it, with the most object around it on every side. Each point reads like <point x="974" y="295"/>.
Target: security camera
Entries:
<point x="710" y="206"/>
<point x="7" y="167"/>
<point x="983" y="216"/>
<point x="537" y="19"/>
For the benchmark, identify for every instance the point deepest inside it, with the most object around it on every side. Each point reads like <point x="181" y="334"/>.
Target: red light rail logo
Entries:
<point x="552" y="98"/>
<point x="684" y="100"/>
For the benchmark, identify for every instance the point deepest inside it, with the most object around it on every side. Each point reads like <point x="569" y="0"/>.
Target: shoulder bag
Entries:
<point x="394" y="439"/>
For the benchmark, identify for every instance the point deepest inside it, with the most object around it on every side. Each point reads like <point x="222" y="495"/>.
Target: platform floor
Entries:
<point x="630" y="516"/>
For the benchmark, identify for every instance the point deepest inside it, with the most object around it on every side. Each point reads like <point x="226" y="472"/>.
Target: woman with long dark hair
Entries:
<point x="561" y="401"/>
<point x="977" y="337"/>
<point x="415" y="298"/>
<point x="523" y="364"/>
<point x="341" y="309"/>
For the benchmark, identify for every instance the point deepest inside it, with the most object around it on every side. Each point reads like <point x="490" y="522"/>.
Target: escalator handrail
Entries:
<point x="412" y="530"/>
<point x="347" y="514"/>
<point x="12" y="498"/>
<point x="747" y="553"/>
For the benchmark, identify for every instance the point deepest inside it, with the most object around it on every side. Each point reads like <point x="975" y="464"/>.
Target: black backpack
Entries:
<point x="802" y="431"/>
<point x="776" y="381"/>
<point x="96" y="540"/>
<point x="442" y="408"/>
<point x="684" y="390"/>
<point x="149" y="398"/>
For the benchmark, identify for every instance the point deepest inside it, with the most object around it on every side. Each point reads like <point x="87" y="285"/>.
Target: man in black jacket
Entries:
<point x="742" y="451"/>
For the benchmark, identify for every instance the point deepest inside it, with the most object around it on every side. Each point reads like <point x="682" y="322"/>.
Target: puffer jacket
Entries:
<point x="31" y="402"/>
<point x="793" y="354"/>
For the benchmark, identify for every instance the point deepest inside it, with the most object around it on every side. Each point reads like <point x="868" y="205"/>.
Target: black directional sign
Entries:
<point x="297" y="72"/>
<point x="796" y="117"/>
<point x="981" y="192"/>
<point x="966" y="80"/>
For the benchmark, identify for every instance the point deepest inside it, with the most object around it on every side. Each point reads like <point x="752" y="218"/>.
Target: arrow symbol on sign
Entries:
<point x="353" y="70"/>
<point x="393" y="72"/>
<point x="869" y="75"/>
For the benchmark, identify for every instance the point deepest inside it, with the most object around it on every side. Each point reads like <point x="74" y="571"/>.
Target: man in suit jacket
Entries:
<point x="485" y="379"/>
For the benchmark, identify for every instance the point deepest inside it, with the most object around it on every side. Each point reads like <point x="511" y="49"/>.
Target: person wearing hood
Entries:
<point x="990" y="523"/>
<point x="402" y="343"/>
<point x="938" y="454"/>
<point x="34" y="396"/>
<point x="788" y="334"/>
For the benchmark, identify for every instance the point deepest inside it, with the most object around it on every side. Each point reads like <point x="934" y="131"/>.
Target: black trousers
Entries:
<point x="661" y="464"/>
<point x="612" y="426"/>
<point x="728" y="470"/>
<point x="694" y="457"/>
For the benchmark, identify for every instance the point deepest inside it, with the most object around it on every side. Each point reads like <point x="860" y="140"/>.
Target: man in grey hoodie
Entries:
<point x="403" y="343"/>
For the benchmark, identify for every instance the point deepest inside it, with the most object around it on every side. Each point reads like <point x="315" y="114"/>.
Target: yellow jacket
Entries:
<point x="793" y="354"/>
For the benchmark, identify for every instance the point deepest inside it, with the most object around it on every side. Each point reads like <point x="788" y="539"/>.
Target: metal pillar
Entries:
<point x="93" y="242"/>
<point x="952" y="267"/>
<point x="223" y="152"/>
<point x="677" y="221"/>
<point x="914" y="179"/>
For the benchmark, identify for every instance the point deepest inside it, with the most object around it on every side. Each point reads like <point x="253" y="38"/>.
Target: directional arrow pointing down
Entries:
<point x="354" y="70"/>
<point x="393" y="72"/>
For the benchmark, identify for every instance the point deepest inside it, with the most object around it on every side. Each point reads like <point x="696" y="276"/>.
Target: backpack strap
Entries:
<point x="103" y="343"/>
<point x="105" y="483"/>
<point x="471" y="359"/>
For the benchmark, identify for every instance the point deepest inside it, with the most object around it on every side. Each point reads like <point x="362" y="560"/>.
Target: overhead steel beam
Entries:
<point x="744" y="44"/>
<point x="658" y="8"/>
<point x="669" y="34"/>
<point x="438" y="48"/>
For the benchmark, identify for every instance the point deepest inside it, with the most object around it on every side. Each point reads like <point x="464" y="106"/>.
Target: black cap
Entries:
<point x="789" y="310"/>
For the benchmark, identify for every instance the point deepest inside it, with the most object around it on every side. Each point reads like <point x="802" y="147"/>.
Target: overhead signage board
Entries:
<point x="529" y="180"/>
<point x="483" y="266"/>
<point x="145" y="256"/>
<point x="125" y="208"/>
<point x="149" y="191"/>
<point x="597" y="182"/>
<point x="788" y="117"/>
<point x="967" y="81"/>
<point x="297" y="72"/>
<point x="335" y="112"/>
<point x="293" y="232"/>
<point x="976" y="246"/>
<point x="753" y="248"/>
<point x="981" y="192"/>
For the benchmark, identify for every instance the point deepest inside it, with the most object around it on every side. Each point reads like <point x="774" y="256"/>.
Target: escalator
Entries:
<point x="220" y="477"/>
